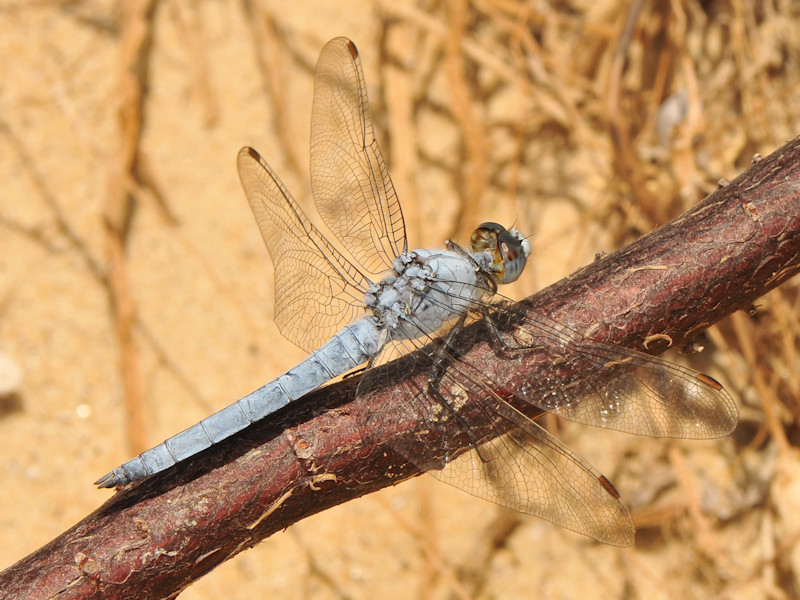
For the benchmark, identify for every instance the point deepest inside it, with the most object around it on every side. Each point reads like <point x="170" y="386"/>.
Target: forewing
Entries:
<point x="317" y="290"/>
<point x="610" y="386"/>
<point x="352" y="188"/>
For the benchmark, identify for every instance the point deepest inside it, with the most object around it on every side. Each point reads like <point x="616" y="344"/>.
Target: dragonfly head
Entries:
<point x="508" y="247"/>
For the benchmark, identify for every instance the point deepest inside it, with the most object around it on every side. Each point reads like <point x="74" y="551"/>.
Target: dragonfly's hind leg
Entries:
<point x="443" y="356"/>
<point x="500" y="337"/>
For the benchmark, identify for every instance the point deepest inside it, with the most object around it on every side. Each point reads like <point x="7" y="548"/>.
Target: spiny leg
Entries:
<point x="440" y="361"/>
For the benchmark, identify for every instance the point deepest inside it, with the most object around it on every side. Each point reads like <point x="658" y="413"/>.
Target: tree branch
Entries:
<point x="156" y="537"/>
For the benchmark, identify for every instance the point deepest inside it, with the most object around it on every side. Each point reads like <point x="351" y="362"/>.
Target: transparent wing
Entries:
<point x="509" y="459"/>
<point x="555" y="369"/>
<point x="352" y="188"/>
<point x="317" y="290"/>
<point x="531" y="471"/>
<point x="512" y="461"/>
<point x="606" y="385"/>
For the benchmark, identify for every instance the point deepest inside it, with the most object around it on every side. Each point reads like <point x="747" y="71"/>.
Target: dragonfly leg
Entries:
<point x="442" y="357"/>
<point x="490" y="282"/>
<point x="494" y="330"/>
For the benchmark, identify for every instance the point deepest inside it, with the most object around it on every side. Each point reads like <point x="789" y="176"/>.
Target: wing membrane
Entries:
<point x="317" y="290"/>
<point x="610" y="386"/>
<point x="509" y="460"/>
<point x="351" y="184"/>
<point x="531" y="471"/>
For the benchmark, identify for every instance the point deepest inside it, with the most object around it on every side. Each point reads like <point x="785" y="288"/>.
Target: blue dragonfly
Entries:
<point x="368" y="299"/>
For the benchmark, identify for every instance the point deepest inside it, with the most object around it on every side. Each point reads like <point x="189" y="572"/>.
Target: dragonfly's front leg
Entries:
<point x="489" y="281"/>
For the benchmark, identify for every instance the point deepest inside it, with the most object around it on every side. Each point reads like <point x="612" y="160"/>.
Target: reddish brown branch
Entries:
<point x="155" y="538"/>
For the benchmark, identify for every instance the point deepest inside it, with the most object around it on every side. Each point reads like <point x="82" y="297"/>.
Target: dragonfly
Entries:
<point x="370" y="300"/>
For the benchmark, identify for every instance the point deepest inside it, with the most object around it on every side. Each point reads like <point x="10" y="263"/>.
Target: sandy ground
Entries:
<point x="511" y="126"/>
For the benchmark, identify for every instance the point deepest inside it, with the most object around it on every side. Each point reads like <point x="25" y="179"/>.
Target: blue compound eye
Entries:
<point x="514" y="257"/>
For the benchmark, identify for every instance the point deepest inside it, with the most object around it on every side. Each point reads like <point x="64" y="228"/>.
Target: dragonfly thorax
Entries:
<point x="428" y="289"/>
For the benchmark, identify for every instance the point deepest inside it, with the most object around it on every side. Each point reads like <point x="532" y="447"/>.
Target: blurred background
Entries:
<point x="136" y="295"/>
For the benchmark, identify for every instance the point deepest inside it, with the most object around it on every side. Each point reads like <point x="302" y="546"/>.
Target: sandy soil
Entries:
<point x="512" y="125"/>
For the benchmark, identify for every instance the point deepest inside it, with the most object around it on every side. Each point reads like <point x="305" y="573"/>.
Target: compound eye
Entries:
<point x="513" y="256"/>
<point x="484" y="238"/>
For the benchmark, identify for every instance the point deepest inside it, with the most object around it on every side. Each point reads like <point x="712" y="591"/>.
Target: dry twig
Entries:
<point x="154" y="538"/>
